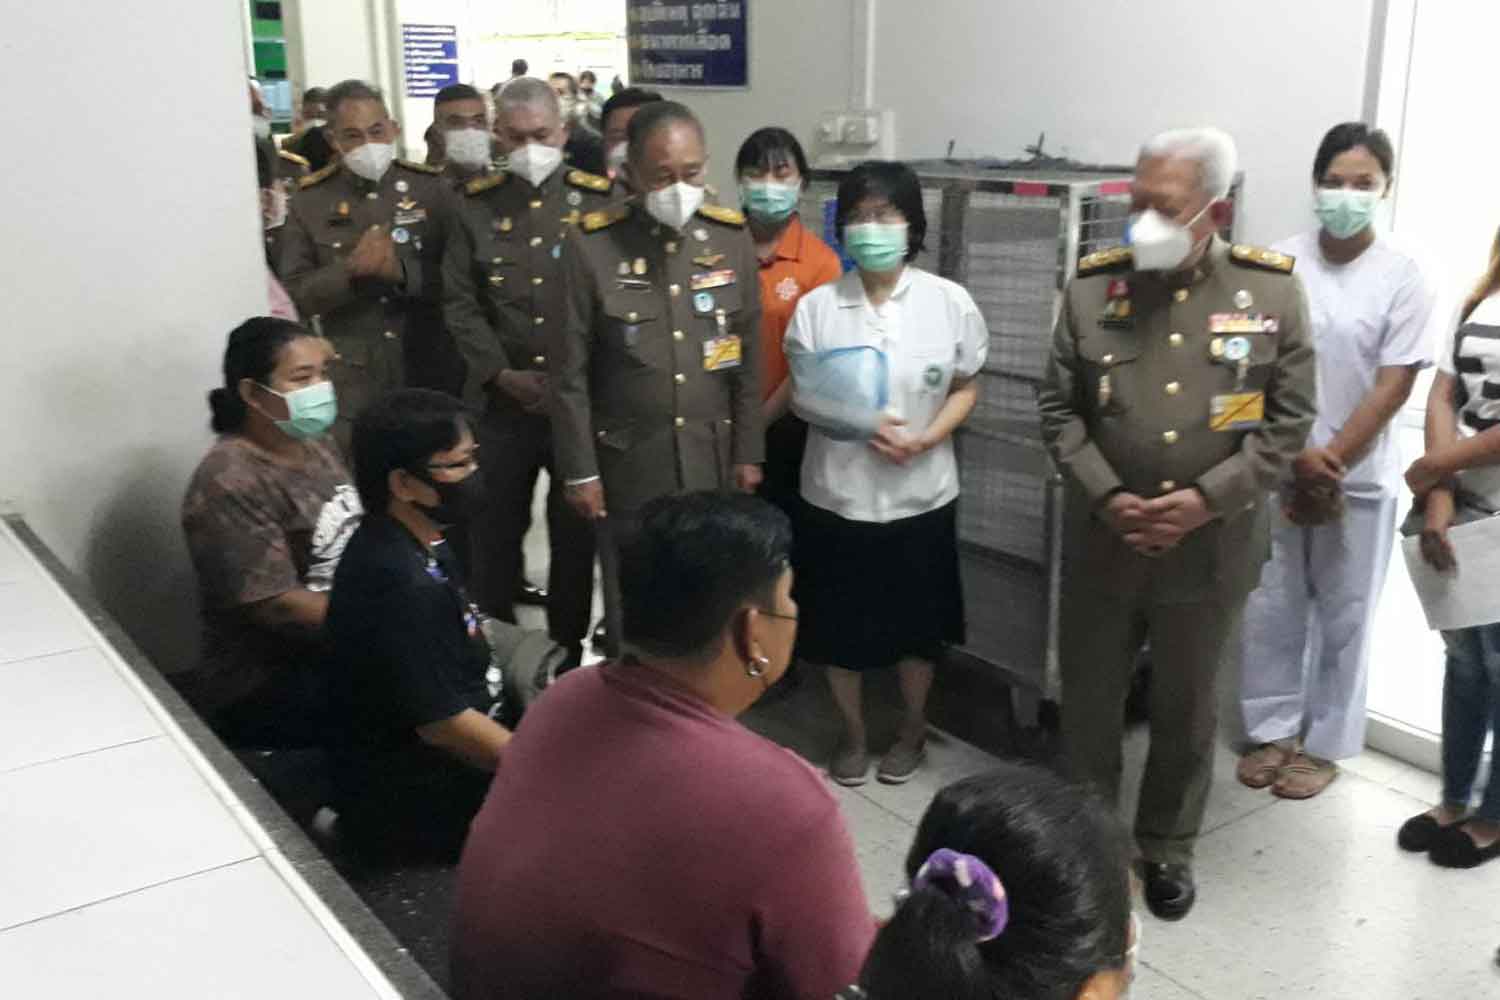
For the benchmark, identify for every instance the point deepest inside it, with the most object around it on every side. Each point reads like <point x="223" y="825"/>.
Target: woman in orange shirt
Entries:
<point x="772" y="173"/>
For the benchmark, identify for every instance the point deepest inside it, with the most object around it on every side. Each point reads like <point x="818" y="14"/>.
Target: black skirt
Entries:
<point x="871" y="594"/>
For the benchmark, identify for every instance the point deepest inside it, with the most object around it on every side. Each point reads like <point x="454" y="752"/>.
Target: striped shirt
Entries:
<point x="1472" y="355"/>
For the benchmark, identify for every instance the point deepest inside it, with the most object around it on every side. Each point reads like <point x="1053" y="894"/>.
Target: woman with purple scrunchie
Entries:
<point x="1020" y="888"/>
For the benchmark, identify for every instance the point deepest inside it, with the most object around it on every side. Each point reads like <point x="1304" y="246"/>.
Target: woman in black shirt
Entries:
<point x="415" y="700"/>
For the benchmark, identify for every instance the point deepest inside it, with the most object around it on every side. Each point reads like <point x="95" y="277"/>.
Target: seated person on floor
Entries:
<point x="639" y="842"/>
<point x="266" y="516"/>
<point x="1020" y="888"/>
<point x="414" y="699"/>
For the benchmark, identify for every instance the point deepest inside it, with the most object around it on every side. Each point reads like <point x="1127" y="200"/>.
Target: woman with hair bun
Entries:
<point x="266" y="517"/>
<point x="1020" y="888"/>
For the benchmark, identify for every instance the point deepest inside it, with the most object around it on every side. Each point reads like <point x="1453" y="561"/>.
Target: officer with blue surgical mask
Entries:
<point x="1307" y="628"/>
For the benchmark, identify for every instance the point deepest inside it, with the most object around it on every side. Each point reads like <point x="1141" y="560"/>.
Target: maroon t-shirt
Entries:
<point x="637" y="843"/>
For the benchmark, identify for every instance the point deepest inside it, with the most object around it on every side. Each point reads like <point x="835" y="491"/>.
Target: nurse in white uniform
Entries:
<point x="1307" y="627"/>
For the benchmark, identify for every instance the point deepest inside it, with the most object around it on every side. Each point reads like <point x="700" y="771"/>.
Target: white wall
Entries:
<point x="131" y="248"/>
<point x="1097" y="76"/>
<point x="328" y="41"/>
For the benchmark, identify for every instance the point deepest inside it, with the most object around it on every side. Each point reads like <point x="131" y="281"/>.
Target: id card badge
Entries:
<point x="1237" y="411"/>
<point x="721" y="353"/>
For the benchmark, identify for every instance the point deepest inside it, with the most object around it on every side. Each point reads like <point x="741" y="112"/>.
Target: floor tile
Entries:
<point x="85" y="828"/>
<point x="235" y="932"/>
<point x="34" y="621"/>
<point x="1151" y="984"/>
<point x="1313" y="899"/>
<point x="881" y="841"/>
<point x="1228" y="800"/>
<point x="13" y="565"/>
<point x="68" y="703"/>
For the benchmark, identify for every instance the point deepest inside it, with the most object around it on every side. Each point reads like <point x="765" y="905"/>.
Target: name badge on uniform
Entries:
<point x="1242" y="323"/>
<point x="410" y="217"/>
<point x="712" y="279"/>
<point x="1237" y="411"/>
<point x="721" y="353"/>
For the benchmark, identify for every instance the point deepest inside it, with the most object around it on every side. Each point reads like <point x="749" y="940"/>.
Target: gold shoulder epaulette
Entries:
<point x="719" y="213"/>
<point x="319" y="177"/>
<point x="420" y="167"/>
<point x="1113" y="259"/>
<point x="481" y="184"/>
<point x="588" y="181"/>
<point x="1266" y="260"/>
<point x="291" y="157"/>
<point x="604" y="218"/>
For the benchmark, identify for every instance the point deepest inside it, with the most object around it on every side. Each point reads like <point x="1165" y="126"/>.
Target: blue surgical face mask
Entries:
<point x="770" y="201"/>
<point x="876" y="246"/>
<point x="310" y="410"/>
<point x="1345" y="212"/>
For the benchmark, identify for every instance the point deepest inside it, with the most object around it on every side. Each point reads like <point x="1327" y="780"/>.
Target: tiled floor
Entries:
<point x="1296" y="899"/>
<point x="125" y="871"/>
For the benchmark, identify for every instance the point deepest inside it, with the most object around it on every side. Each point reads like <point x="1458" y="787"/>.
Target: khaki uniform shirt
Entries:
<point x="366" y="318"/>
<point x="502" y="269"/>
<point x="1159" y="382"/>
<point x="656" y="366"/>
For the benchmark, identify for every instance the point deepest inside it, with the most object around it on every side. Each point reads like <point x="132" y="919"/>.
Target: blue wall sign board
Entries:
<point x="430" y="55"/>
<point x="688" y="44"/>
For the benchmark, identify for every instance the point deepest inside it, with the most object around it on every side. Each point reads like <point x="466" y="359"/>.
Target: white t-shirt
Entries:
<point x="931" y="332"/>
<point x="1371" y="313"/>
<point x="1480" y="354"/>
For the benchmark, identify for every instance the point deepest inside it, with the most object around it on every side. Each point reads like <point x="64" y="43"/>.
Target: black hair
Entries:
<point x="254" y="349"/>
<point x="1346" y="136"/>
<point x="315" y="95"/>
<point x="896" y="183"/>
<point x="590" y="74"/>
<point x="401" y="430"/>
<point x="768" y="148"/>
<point x="654" y="116"/>
<point x="572" y="83"/>
<point x="630" y="97"/>
<point x="1064" y="860"/>
<point x="697" y="559"/>
<point x="519" y="67"/>
<point x="456" y="92"/>
<point x="350" y="90"/>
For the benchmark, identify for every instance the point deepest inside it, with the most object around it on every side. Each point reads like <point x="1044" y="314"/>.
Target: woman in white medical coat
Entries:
<point x="1307" y="627"/>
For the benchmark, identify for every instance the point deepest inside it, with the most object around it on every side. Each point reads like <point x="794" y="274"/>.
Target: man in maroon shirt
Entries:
<point x="673" y="853"/>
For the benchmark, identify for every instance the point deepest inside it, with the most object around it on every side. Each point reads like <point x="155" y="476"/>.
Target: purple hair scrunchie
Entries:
<point x="971" y="884"/>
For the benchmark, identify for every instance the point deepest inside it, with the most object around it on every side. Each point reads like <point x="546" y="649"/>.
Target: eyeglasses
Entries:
<point x="469" y="464"/>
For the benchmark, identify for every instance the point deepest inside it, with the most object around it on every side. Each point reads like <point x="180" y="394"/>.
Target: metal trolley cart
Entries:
<point x="1012" y="234"/>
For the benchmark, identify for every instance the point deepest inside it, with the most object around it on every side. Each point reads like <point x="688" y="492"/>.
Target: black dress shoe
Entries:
<point x="529" y="594"/>
<point x="1170" y="891"/>
<point x="1453" y="848"/>
<point x="1419" y="833"/>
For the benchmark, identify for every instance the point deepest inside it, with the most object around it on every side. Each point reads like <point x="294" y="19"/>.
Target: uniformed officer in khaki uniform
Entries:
<point x="503" y="294"/>
<point x="1180" y="389"/>
<point x="362" y="251"/>
<point x="655" y="367"/>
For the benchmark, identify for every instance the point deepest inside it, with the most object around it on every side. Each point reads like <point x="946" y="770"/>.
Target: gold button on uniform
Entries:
<point x="536" y="203"/>
<point x="632" y="317"/>
<point x="671" y="248"/>
<point x="1175" y="340"/>
<point x="1108" y="359"/>
<point x="676" y="289"/>
<point x="1169" y="437"/>
<point x="372" y="195"/>
<point x="497" y="260"/>
<point x="1181" y="295"/>
<point x="678" y="334"/>
<point x="679" y="422"/>
<point x="536" y="241"/>
<point x="1173" y="388"/>
<point x="679" y="378"/>
<point x="390" y="335"/>
<point x="539" y="360"/>
<point x="1167" y="486"/>
<point x="497" y="279"/>
<point x="537" y="321"/>
<point x="536" y="280"/>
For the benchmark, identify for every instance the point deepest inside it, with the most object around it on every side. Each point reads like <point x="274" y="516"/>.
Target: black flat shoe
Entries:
<point x="1170" y="890"/>
<point x="1452" y="848"/>
<point x="1419" y="833"/>
<point x="531" y="595"/>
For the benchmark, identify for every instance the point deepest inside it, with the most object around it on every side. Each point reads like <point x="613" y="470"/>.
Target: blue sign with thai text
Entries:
<point x="687" y="44"/>
<point x="430" y="55"/>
